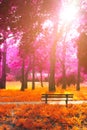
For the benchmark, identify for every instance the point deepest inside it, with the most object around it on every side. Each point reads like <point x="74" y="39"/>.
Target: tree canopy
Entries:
<point x="37" y="32"/>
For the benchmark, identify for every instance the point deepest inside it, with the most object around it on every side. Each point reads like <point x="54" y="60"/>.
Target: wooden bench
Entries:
<point x="57" y="97"/>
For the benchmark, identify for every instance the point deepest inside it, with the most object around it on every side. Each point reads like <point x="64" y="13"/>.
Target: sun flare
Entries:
<point x="68" y="12"/>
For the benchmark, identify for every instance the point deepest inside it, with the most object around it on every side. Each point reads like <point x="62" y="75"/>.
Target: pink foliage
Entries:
<point x="44" y="42"/>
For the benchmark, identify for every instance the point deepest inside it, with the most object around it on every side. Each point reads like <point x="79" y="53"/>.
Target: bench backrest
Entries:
<point x="57" y="97"/>
<point x="69" y="96"/>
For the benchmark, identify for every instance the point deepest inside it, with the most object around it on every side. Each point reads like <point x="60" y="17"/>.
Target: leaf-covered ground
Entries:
<point x="13" y="93"/>
<point x="42" y="116"/>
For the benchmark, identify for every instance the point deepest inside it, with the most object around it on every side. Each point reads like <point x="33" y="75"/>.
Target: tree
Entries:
<point x="36" y="13"/>
<point x="30" y="28"/>
<point x="82" y="56"/>
<point x="81" y="44"/>
<point x="53" y="9"/>
<point x="82" y="50"/>
<point x="42" y="62"/>
<point x="40" y="12"/>
<point x="7" y="10"/>
<point x="3" y="27"/>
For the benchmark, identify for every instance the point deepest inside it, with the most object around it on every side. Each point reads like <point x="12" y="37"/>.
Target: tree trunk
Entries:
<point x="41" y="78"/>
<point x="33" y="73"/>
<point x="26" y="75"/>
<point x="63" y="62"/>
<point x="53" y="58"/>
<point x="64" y="77"/>
<point x="23" y="76"/>
<point x="63" y="65"/>
<point x="3" y="77"/>
<point x="25" y="81"/>
<point x="78" y="78"/>
<point x="52" y="69"/>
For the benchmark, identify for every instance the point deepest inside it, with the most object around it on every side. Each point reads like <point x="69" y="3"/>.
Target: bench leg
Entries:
<point x="46" y="98"/>
<point x="66" y="103"/>
<point x="46" y="101"/>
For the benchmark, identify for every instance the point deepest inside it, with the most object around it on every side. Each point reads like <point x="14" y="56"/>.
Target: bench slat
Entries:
<point x="57" y="99"/>
<point x="57" y="95"/>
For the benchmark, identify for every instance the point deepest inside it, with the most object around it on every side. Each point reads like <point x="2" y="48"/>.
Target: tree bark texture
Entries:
<point x="23" y="76"/>
<point x="78" y="78"/>
<point x="33" y="73"/>
<point x="52" y="68"/>
<point x="3" y="77"/>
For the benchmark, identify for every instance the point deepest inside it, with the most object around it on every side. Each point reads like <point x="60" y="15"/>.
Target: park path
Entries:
<point x="39" y="102"/>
